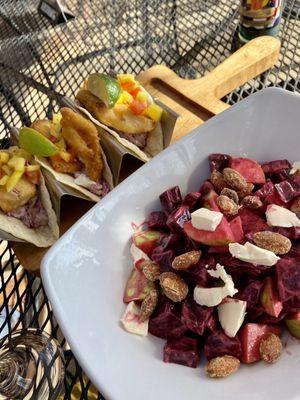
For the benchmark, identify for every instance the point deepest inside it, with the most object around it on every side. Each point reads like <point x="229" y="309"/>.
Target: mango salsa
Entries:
<point x="13" y="180"/>
<point x="154" y="112"/>
<point x="4" y="180"/>
<point x="4" y="157"/>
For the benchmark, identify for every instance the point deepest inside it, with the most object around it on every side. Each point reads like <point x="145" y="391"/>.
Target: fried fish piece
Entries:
<point x="19" y="196"/>
<point x="119" y="118"/>
<point x="64" y="167"/>
<point x="82" y="137"/>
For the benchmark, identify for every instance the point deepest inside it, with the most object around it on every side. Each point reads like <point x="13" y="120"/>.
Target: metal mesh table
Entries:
<point x="192" y="37"/>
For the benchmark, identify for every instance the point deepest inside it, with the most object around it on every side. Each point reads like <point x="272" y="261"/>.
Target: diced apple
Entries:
<point x="13" y="180"/>
<point x="250" y="337"/>
<point x="270" y="299"/>
<point x="292" y="322"/>
<point x="146" y="240"/>
<point x="237" y="229"/>
<point x="138" y="256"/>
<point x="4" y="157"/>
<point x="137" y="287"/>
<point x="3" y="180"/>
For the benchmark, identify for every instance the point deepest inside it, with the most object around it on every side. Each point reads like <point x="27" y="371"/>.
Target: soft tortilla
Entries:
<point x="69" y="180"/>
<point x="41" y="237"/>
<point x="155" y="140"/>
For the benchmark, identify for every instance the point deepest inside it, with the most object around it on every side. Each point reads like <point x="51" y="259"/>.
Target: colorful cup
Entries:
<point x="259" y="17"/>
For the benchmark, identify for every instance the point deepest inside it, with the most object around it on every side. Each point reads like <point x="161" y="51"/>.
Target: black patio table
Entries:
<point x="191" y="37"/>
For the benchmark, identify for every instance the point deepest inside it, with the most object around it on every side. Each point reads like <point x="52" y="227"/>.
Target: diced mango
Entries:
<point x="4" y="157"/>
<point x="142" y="97"/>
<point x="127" y="98"/>
<point x="126" y="78"/>
<point x="7" y="169"/>
<point x="13" y="180"/>
<point x="154" y="112"/>
<point x="61" y="144"/>
<point x="4" y="180"/>
<point x="65" y="155"/>
<point x="32" y="168"/>
<point x="17" y="163"/>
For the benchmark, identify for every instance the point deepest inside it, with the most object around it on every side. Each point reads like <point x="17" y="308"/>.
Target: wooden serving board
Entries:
<point x="194" y="101"/>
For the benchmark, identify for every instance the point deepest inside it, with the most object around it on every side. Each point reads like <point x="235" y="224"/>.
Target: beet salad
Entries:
<point x="217" y="273"/>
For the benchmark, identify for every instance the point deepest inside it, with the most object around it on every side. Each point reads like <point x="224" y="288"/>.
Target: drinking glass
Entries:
<point x="31" y="366"/>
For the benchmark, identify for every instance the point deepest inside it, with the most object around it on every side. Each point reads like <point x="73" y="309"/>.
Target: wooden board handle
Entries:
<point x="249" y="61"/>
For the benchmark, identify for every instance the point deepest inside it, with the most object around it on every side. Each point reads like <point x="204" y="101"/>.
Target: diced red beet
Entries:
<point x="251" y="335"/>
<point x="178" y="218"/>
<point x="288" y="278"/>
<point x="237" y="229"/>
<point x="137" y="287"/>
<point x="251" y="294"/>
<point x="268" y="194"/>
<point x="192" y="200"/>
<point x="219" y="344"/>
<point x="170" y="242"/>
<point x="269" y="320"/>
<point x="249" y="169"/>
<point x="166" y="321"/>
<point x="289" y="189"/>
<point x="295" y="251"/>
<point x="218" y="250"/>
<point x="212" y="323"/>
<point x="157" y="220"/>
<point x="171" y="199"/>
<point x="251" y="222"/>
<point x="218" y="162"/>
<point x="164" y="259"/>
<point x="183" y="351"/>
<point x="195" y="317"/>
<point x="206" y="187"/>
<point x="281" y="176"/>
<point x="292" y="305"/>
<point x="198" y="274"/>
<point x="276" y="166"/>
<point x="236" y="267"/>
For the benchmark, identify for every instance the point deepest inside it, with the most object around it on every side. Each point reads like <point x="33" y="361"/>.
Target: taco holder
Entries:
<point x="186" y="103"/>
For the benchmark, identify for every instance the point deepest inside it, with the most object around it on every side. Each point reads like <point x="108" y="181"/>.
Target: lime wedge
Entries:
<point x="105" y="88"/>
<point x="35" y="143"/>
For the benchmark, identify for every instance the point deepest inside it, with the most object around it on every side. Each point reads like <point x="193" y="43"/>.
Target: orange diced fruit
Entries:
<point x="13" y="180"/>
<point x="154" y="112"/>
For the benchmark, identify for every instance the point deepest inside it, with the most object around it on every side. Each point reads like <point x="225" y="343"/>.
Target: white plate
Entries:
<point x="85" y="271"/>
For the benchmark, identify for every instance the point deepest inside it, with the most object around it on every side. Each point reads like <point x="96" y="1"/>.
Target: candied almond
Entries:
<point x="148" y="305"/>
<point x="270" y="348"/>
<point x="232" y="194"/>
<point x="220" y="367"/>
<point x="234" y="179"/>
<point x="217" y="180"/>
<point x="245" y="192"/>
<point x="173" y="286"/>
<point x="272" y="241"/>
<point x="227" y="206"/>
<point x="253" y="202"/>
<point x="186" y="260"/>
<point x="295" y="207"/>
<point x="151" y="270"/>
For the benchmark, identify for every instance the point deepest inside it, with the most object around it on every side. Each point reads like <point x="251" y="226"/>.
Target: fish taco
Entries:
<point x="25" y="207"/>
<point x="69" y="147"/>
<point x="124" y="108"/>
